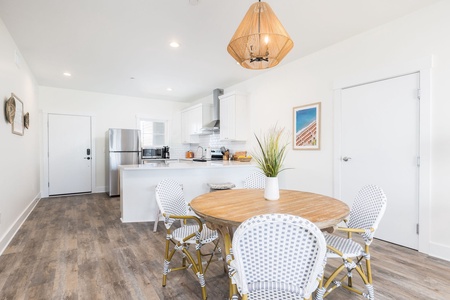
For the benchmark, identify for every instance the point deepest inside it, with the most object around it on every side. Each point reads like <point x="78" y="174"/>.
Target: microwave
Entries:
<point x="151" y="153"/>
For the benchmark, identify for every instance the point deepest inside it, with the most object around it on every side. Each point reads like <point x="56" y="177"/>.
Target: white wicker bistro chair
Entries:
<point x="170" y="199"/>
<point x="277" y="256"/>
<point x="367" y="210"/>
<point x="256" y="180"/>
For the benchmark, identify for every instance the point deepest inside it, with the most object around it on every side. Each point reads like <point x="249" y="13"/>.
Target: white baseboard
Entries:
<point x="99" y="189"/>
<point x="440" y="251"/>
<point x="6" y="239"/>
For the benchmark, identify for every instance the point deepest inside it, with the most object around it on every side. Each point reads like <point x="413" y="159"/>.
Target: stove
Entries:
<point x="216" y="154"/>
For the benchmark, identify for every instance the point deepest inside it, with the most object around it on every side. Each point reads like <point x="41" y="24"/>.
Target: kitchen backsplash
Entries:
<point x="212" y="141"/>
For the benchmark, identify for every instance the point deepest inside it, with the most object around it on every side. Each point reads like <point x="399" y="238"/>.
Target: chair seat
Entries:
<point x="347" y="246"/>
<point x="274" y="294"/>
<point x="221" y="186"/>
<point x="207" y="235"/>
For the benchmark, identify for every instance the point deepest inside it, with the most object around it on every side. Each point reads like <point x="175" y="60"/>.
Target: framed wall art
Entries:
<point x="26" y="120"/>
<point x="10" y="109"/>
<point x="18" y="122"/>
<point x="306" y="127"/>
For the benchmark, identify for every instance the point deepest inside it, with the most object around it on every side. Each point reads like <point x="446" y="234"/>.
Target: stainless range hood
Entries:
<point x="215" y="123"/>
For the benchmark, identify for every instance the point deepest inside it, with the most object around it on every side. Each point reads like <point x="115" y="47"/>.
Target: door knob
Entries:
<point x="345" y="158"/>
<point x="88" y="158"/>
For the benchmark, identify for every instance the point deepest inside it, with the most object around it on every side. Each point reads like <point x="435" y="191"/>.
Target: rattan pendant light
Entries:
<point x="260" y="42"/>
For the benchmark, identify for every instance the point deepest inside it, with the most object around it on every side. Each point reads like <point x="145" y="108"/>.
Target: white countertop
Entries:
<point x="187" y="164"/>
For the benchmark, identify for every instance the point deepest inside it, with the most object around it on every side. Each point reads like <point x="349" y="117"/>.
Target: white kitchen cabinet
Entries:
<point x="192" y="120"/>
<point x="233" y="117"/>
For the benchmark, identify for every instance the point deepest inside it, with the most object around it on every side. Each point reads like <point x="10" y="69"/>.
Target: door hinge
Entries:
<point x="48" y="184"/>
<point x="418" y="94"/>
<point x="417" y="228"/>
<point x="418" y="161"/>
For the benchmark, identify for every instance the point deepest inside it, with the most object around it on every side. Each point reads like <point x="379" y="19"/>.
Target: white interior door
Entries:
<point x="380" y="145"/>
<point x="69" y="154"/>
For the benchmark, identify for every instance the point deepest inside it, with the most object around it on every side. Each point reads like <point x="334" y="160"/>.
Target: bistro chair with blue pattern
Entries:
<point x="170" y="199"/>
<point x="256" y="180"/>
<point x="365" y="214"/>
<point x="277" y="256"/>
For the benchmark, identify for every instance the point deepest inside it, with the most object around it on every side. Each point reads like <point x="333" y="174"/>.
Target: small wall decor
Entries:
<point x="17" y="124"/>
<point x="10" y="109"/>
<point x="307" y="127"/>
<point x="26" y="120"/>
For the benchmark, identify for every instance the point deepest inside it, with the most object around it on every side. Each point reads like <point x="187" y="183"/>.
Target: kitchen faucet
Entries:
<point x="202" y="156"/>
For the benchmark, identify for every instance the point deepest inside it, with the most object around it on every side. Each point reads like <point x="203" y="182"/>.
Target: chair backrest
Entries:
<point x="367" y="209"/>
<point x="256" y="180"/>
<point x="279" y="251"/>
<point x="170" y="199"/>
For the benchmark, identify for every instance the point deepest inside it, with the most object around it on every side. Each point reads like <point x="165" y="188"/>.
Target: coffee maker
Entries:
<point x="165" y="152"/>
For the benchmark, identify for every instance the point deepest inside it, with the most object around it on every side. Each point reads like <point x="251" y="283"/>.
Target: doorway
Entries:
<point x="379" y="144"/>
<point x="69" y="154"/>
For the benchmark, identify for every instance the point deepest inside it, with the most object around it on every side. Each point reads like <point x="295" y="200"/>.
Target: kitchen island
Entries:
<point x="138" y="182"/>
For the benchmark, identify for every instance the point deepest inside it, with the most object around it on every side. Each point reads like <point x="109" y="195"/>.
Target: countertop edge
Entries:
<point x="187" y="165"/>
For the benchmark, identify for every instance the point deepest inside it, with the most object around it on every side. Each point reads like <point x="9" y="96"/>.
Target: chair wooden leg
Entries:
<point x="197" y="268"/>
<point x="231" y="291"/>
<point x="166" y="263"/>
<point x="349" y="279"/>
<point x="368" y="266"/>
<point x="155" y="225"/>
<point x="329" y="281"/>
<point x="200" y="274"/>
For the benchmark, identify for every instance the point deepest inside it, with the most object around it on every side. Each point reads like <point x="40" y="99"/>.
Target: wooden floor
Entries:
<point x="77" y="248"/>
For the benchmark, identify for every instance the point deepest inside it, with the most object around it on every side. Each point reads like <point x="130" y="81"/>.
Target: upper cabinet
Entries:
<point x="192" y="120"/>
<point x="233" y="117"/>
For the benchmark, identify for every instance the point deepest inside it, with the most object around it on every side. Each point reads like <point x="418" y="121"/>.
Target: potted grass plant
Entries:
<point x="270" y="157"/>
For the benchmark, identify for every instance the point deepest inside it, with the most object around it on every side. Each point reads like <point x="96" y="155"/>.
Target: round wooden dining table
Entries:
<point x="225" y="210"/>
<point x="232" y="207"/>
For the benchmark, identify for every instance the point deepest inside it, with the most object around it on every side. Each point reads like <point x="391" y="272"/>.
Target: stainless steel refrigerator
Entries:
<point x="124" y="148"/>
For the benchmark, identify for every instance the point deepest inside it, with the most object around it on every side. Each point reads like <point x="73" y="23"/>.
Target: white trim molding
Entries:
<point x="12" y="230"/>
<point x="439" y="251"/>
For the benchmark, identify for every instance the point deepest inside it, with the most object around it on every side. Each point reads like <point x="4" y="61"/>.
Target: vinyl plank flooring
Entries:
<point x="77" y="248"/>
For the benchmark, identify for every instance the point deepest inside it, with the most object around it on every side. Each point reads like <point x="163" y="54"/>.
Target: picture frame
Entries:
<point x="18" y="122"/>
<point x="306" y="127"/>
<point x="26" y="120"/>
<point x="10" y="109"/>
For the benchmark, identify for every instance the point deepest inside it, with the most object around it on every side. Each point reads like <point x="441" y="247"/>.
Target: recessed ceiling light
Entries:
<point x="67" y="74"/>
<point x="174" y="45"/>
<point x="169" y="89"/>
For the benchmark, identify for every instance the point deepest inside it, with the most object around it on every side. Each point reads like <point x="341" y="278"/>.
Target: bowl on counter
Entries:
<point x="244" y="159"/>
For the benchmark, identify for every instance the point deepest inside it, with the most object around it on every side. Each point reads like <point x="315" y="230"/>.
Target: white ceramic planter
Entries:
<point x="272" y="191"/>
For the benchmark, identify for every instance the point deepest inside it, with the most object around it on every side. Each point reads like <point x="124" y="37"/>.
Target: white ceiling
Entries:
<point x="104" y="43"/>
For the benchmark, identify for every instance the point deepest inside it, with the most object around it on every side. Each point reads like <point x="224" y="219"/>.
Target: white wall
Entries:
<point x="19" y="159"/>
<point x="108" y="111"/>
<point x="308" y="80"/>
